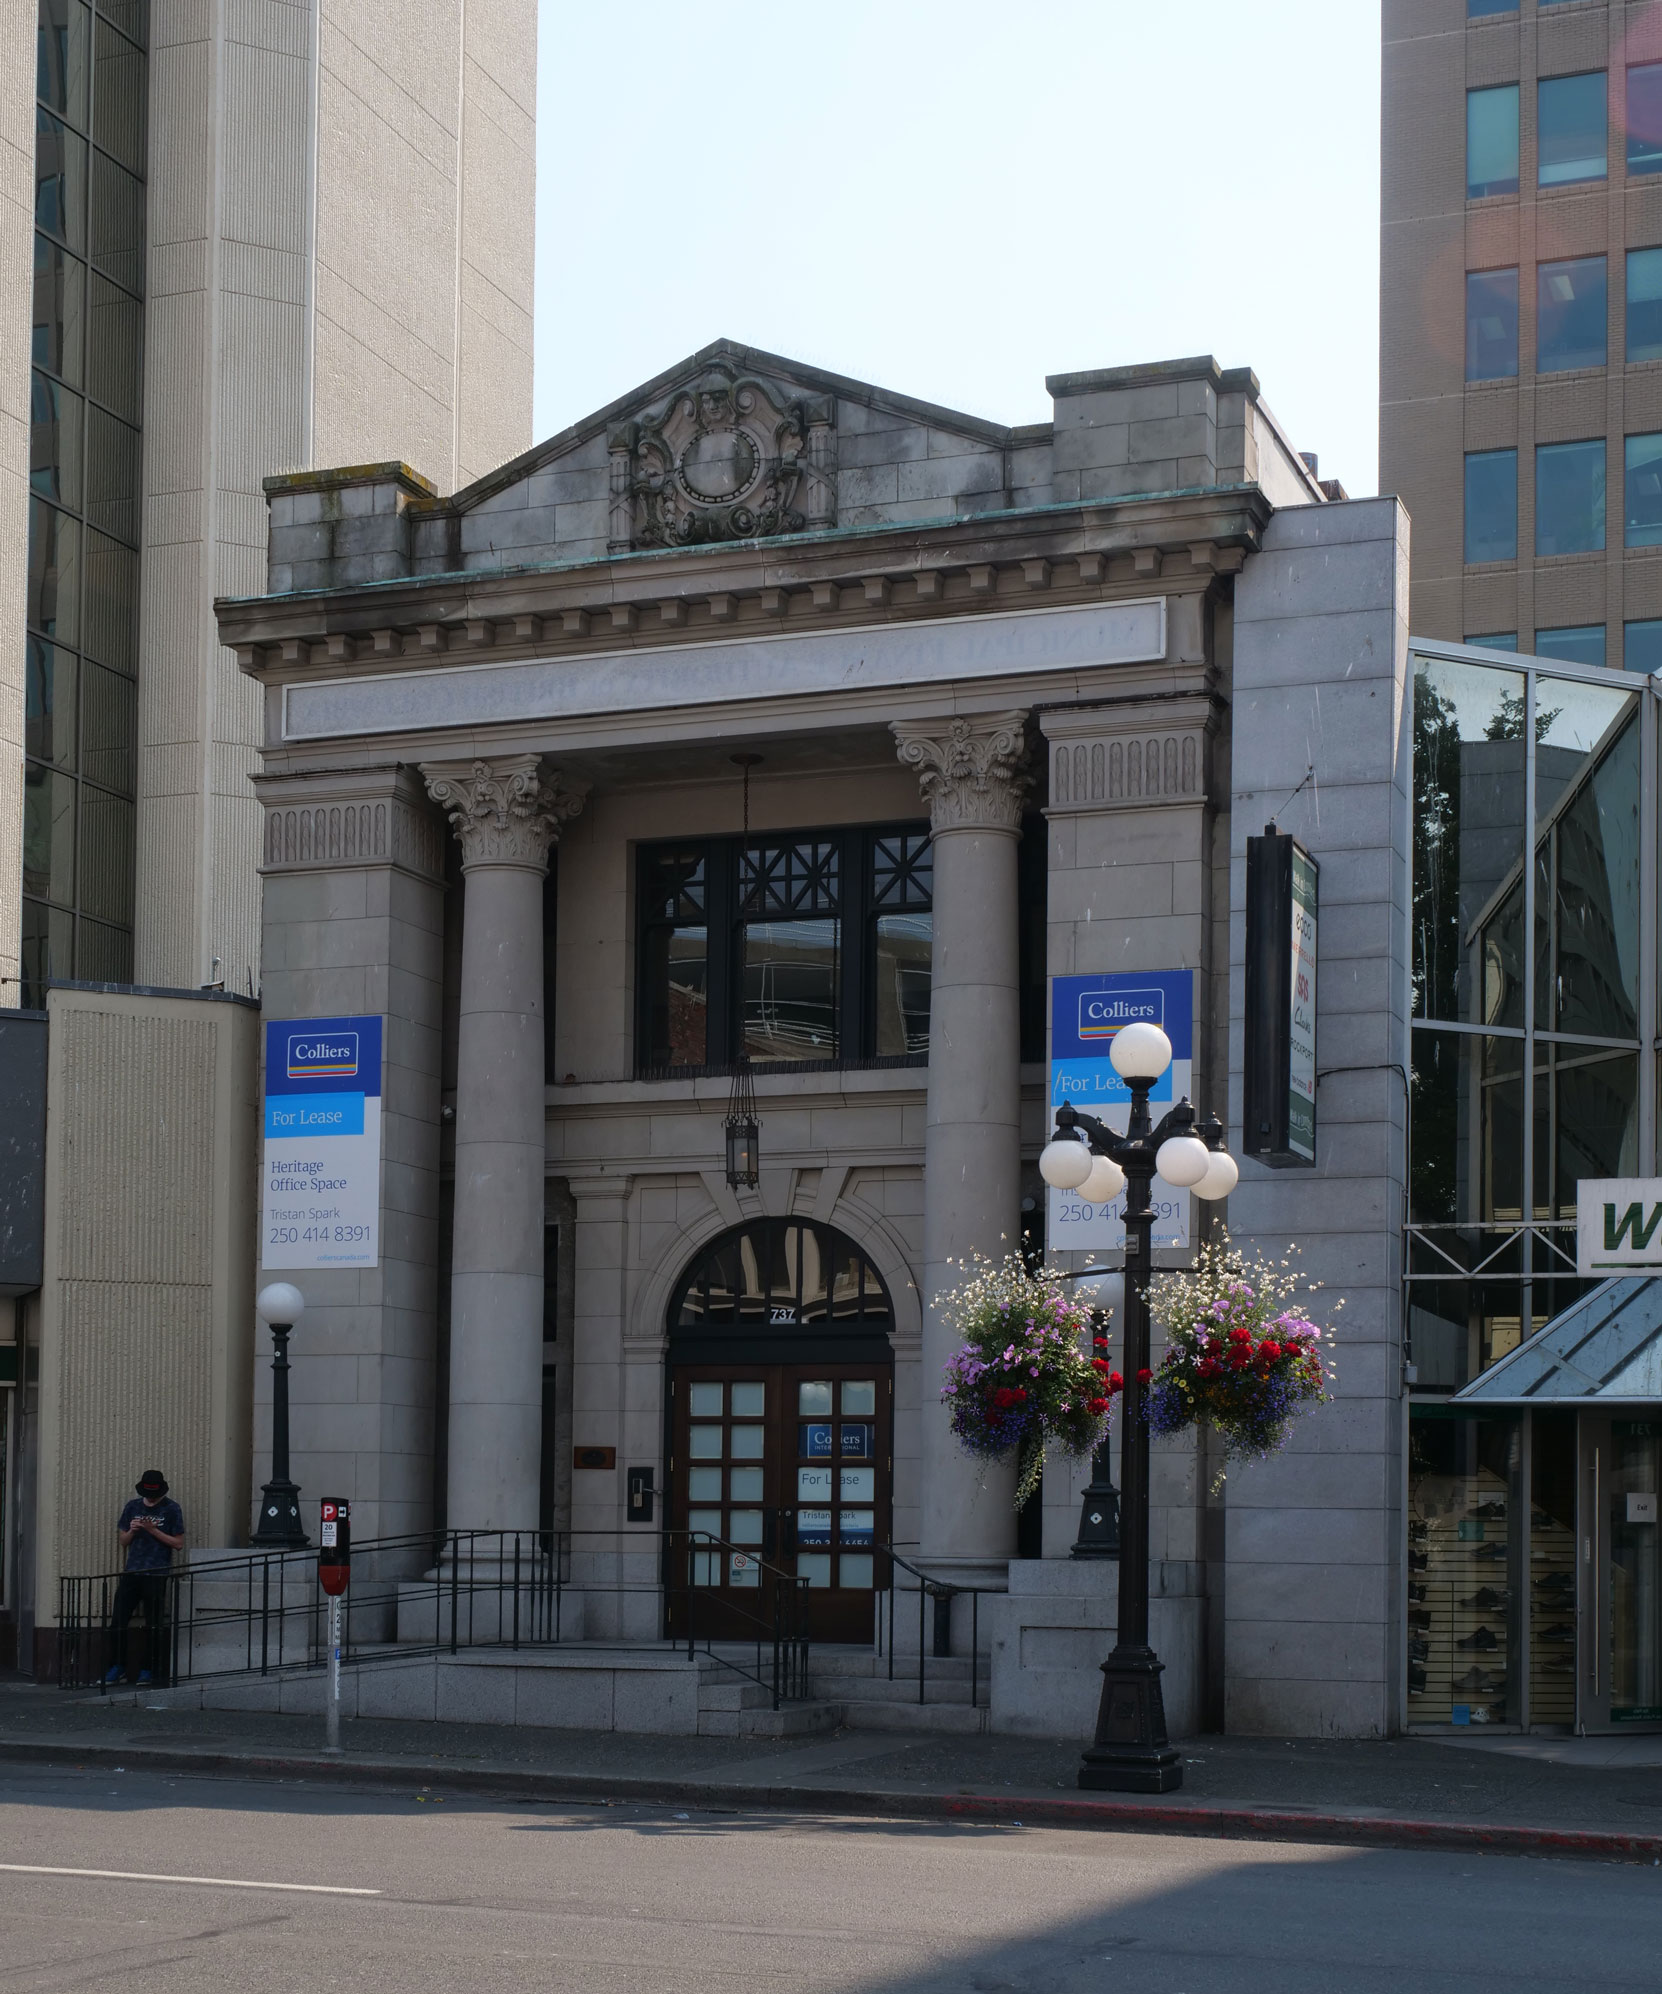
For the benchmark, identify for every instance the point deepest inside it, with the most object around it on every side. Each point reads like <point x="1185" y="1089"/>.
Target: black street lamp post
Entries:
<point x="1131" y="1752"/>
<point x="278" y="1526"/>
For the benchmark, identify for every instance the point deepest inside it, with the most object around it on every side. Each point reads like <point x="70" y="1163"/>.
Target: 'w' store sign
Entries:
<point x="1618" y="1225"/>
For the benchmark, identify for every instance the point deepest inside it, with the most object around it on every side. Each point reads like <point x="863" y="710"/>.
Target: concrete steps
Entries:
<point x="858" y="1679"/>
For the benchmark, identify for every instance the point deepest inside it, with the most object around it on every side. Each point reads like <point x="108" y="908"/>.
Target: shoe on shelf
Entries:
<point x="1491" y="1554"/>
<point x="1419" y="1650"/>
<point x="1561" y="1631"/>
<point x="1418" y="1529"/>
<point x="1556" y="1582"/>
<point x="1418" y="1561"/>
<point x="1485" y="1600"/>
<point x="1480" y="1637"/>
<point x="1558" y="1665"/>
<point x="1416" y="1679"/>
<point x="144" y="1678"/>
<point x="1492" y="1511"/>
<point x="114" y="1675"/>
<point x="1486" y="1680"/>
<point x="1419" y="1616"/>
<point x="1417" y="1593"/>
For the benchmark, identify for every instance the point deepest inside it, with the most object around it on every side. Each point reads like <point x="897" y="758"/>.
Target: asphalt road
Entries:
<point x="462" y="1895"/>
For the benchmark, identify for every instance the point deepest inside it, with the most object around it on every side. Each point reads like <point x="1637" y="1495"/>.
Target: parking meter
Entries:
<point x="334" y="1546"/>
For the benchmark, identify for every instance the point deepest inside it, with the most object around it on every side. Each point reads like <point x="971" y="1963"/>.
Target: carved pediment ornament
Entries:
<point x="724" y="459"/>
<point x="506" y="812"/>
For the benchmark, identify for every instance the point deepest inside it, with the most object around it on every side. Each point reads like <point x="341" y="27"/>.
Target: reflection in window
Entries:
<point x="1586" y="1122"/>
<point x="1574" y="643"/>
<point x="1644" y="304"/>
<point x="790" y="973"/>
<point x="1477" y="10"/>
<point x="1570" y="315"/>
<point x="1571" y="131"/>
<point x="1497" y="640"/>
<point x="1491" y="141"/>
<point x="1642" y="645"/>
<point x="1468" y="823"/>
<point x="1644" y="118"/>
<point x="1491" y="324"/>
<point x="1643" y="524"/>
<point x="1569" y="497"/>
<point x="781" y="1274"/>
<point x="1492" y="505"/>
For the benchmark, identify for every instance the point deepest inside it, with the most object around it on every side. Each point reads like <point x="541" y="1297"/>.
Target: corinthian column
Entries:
<point x="506" y="813"/>
<point x="972" y="775"/>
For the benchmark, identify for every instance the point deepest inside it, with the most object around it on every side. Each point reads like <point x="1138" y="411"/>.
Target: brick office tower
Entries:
<point x="1521" y="321"/>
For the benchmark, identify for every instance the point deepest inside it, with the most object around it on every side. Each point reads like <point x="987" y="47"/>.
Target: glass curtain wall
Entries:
<point x="86" y="390"/>
<point x="1534" y="989"/>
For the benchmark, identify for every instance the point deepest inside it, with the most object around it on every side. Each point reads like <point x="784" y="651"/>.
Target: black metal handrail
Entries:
<point x="260" y="1613"/>
<point x="942" y="1592"/>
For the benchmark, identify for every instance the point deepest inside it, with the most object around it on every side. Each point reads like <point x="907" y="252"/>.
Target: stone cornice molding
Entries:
<point x="971" y="769"/>
<point x="507" y="812"/>
<point x="325" y="820"/>
<point x="1130" y="755"/>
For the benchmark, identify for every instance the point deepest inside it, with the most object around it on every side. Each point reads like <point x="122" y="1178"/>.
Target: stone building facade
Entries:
<point x="768" y="712"/>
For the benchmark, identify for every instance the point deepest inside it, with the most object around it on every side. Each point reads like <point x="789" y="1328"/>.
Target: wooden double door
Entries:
<point x="782" y="1466"/>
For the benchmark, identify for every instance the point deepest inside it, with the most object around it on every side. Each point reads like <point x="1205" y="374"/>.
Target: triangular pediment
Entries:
<point x="733" y="443"/>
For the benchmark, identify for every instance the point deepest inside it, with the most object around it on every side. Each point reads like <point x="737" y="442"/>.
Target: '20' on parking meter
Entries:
<point x="334" y="1545"/>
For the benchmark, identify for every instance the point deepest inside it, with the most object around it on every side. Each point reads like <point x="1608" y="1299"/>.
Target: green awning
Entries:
<point x="1605" y="1349"/>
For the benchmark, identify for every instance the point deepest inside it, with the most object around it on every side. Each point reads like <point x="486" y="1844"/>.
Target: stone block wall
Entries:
<point x="1320" y="680"/>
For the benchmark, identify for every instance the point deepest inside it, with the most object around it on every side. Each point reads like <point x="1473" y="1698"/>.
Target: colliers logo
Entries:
<point x="313" y="1056"/>
<point x="1102" y="1012"/>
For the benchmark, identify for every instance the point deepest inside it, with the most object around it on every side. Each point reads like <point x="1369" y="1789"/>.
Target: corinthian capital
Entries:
<point x="972" y="770"/>
<point x="506" y="812"/>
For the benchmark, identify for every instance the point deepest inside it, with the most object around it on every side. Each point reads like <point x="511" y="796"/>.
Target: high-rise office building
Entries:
<point x="260" y="237"/>
<point x="1521" y="321"/>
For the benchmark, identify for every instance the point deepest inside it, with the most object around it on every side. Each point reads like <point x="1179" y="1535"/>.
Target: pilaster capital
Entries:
<point x="506" y="812"/>
<point x="324" y="820"/>
<point x="971" y="768"/>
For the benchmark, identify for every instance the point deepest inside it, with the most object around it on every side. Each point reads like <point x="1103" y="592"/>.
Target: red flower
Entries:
<point x="1115" y="1382"/>
<point x="1268" y="1352"/>
<point x="1098" y="1406"/>
<point x="1099" y="1343"/>
<point x="1144" y="1375"/>
<point x="1005" y="1397"/>
<point x="1240" y="1334"/>
<point x="1099" y="1363"/>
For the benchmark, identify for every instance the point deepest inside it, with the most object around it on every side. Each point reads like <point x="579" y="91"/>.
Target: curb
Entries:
<point x="1267" y="1824"/>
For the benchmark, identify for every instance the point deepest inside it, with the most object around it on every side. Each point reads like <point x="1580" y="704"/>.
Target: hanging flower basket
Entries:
<point x="1028" y="1374"/>
<point x="1241" y="1356"/>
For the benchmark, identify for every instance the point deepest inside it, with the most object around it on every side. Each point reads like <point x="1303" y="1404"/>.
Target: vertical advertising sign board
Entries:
<point x="1279" y="1118"/>
<point x="321" y="1178"/>
<point x="1085" y="1013"/>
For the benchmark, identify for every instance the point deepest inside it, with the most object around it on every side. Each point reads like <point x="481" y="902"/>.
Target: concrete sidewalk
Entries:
<point x="1528" y="1795"/>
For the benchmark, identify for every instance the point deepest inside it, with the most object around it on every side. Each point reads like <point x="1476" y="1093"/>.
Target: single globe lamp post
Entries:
<point x="1131" y="1752"/>
<point x="278" y="1526"/>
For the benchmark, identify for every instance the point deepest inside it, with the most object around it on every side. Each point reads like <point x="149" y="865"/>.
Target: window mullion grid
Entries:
<point x="1526" y="1309"/>
<point x="723" y="931"/>
<point x="1648" y="831"/>
<point x="856" y="991"/>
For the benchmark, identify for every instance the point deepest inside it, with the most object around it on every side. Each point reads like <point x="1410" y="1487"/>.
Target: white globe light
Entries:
<point x="280" y="1302"/>
<point x="1182" y="1159"/>
<point x="1140" y="1052"/>
<point x="1106" y="1181"/>
<point x="1222" y="1175"/>
<point x="1065" y="1163"/>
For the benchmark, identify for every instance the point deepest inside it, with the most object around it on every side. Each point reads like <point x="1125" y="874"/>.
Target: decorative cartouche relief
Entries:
<point x="972" y="770"/>
<point x="1101" y="759"/>
<point x="506" y="812"/>
<point x="723" y="460"/>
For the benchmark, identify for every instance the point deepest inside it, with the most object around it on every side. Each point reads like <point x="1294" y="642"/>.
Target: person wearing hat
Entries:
<point x="151" y="1529"/>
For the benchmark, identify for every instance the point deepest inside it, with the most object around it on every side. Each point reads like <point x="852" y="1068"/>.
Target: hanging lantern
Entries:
<point x="743" y="1130"/>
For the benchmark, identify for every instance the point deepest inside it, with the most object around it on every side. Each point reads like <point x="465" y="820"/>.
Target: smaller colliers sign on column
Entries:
<point x="322" y="1172"/>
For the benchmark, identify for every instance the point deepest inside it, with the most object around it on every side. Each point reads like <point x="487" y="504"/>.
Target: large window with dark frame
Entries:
<point x="807" y="947"/>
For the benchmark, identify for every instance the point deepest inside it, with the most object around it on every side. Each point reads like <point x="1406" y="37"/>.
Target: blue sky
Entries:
<point x="956" y="200"/>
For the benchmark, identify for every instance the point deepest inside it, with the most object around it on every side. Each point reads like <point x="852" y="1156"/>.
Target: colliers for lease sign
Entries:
<point x="1618" y="1226"/>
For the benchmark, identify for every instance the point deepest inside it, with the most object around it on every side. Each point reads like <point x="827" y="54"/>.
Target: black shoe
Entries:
<point x="1556" y="1582"/>
<point x="1420" y="1650"/>
<point x="1486" y="1600"/>
<point x="1492" y="1553"/>
<point x="1541" y="1521"/>
<point x="1563" y="1631"/>
<point x="1492" y="1511"/>
<point x="1418" y="1529"/>
<point x="1416" y="1592"/>
<point x="1418" y="1561"/>
<point x="1419" y="1616"/>
<point x="1486" y="1680"/>
<point x="1558" y="1665"/>
<point x="1416" y="1679"/>
<point x="1480" y="1637"/>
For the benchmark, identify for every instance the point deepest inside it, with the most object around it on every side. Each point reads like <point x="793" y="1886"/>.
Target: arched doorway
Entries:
<point x="781" y="1418"/>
